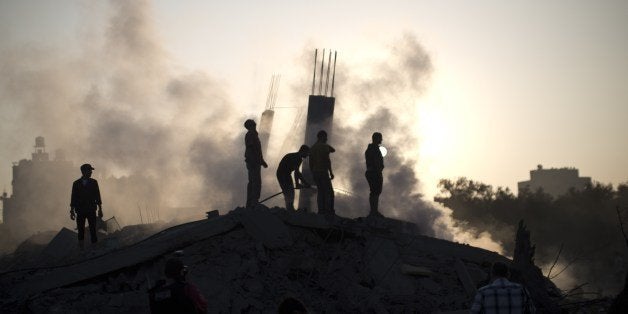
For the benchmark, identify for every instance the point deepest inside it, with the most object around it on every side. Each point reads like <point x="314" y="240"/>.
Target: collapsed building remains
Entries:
<point x="249" y="260"/>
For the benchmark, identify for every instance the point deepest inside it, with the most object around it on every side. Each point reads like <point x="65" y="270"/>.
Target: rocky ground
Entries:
<point x="250" y="260"/>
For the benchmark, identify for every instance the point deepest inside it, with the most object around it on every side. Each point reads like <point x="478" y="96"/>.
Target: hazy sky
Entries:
<point x="515" y="84"/>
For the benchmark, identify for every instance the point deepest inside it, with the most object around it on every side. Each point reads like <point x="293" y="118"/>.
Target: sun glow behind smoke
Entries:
<point x="182" y="127"/>
<point x="383" y="150"/>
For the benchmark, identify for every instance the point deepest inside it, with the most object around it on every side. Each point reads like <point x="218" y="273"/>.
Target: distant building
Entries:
<point x="40" y="192"/>
<point x="554" y="181"/>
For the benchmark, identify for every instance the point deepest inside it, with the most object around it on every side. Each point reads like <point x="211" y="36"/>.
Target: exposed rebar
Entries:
<point x="328" y="64"/>
<point x="314" y="78"/>
<point x="333" y="77"/>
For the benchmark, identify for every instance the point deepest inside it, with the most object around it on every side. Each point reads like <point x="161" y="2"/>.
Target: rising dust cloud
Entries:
<point x="130" y="112"/>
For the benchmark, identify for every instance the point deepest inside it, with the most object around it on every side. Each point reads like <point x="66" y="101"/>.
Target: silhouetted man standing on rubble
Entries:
<point x="320" y="165"/>
<point x="254" y="161"/>
<point x="291" y="163"/>
<point x="502" y="296"/>
<point x="85" y="197"/>
<point x="374" y="167"/>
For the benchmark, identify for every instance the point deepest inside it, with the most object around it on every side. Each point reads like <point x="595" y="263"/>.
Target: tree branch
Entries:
<point x="555" y="261"/>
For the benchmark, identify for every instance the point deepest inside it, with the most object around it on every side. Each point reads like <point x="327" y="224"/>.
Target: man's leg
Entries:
<point x="91" y="218"/>
<point x="248" y="186"/>
<point x="253" y="188"/>
<point x="287" y="187"/>
<point x="375" y="181"/>
<point x="330" y="195"/>
<point x="80" y="228"/>
<point x="320" y="194"/>
<point x="379" y="182"/>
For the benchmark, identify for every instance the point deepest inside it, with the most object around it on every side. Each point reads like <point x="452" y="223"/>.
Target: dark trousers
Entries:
<point x="375" y="180"/>
<point x="325" y="196"/>
<point x="90" y="215"/>
<point x="254" y="187"/>
<point x="287" y="187"/>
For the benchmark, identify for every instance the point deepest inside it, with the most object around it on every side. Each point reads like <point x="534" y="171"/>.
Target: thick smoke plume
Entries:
<point x="175" y="137"/>
<point x="124" y="109"/>
<point x="384" y="98"/>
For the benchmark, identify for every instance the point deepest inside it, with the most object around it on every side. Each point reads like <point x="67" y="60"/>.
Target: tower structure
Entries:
<point x="40" y="192"/>
<point x="40" y="153"/>
<point x="320" y="114"/>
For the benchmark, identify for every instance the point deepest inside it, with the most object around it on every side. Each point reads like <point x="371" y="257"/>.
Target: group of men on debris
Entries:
<point x="85" y="198"/>
<point x="320" y="167"/>
<point x="176" y="295"/>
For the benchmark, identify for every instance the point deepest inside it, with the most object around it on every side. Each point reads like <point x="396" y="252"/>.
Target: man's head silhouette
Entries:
<point x="322" y="136"/>
<point x="377" y="138"/>
<point x="304" y="151"/>
<point x="175" y="269"/>
<point x="249" y="124"/>
<point x="86" y="170"/>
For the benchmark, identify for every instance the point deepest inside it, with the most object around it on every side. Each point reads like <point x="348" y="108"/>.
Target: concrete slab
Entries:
<point x="413" y="270"/>
<point x="382" y="255"/>
<point x="265" y="227"/>
<point x="61" y="246"/>
<point x="308" y="220"/>
<point x="153" y="247"/>
<point x="465" y="278"/>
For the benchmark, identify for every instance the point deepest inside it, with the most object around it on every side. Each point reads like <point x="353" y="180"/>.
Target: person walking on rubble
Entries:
<point x="320" y="165"/>
<point x="175" y="295"/>
<point x="502" y="296"/>
<point x="254" y="161"/>
<point x="291" y="163"/>
<point x="83" y="202"/>
<point x="374" y="167"/>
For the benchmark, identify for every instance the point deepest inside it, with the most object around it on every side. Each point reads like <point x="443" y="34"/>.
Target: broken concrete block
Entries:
<point x="309" y="220"/>
<point x="465" y="278"/>
<point x="265" y="227"/>
<point x="477" y="274"/>
<point x="61" y="246"/>
<point x="408" y="269"/>
<point x="382" y="255"/>
<point x="212" y="214"/>
<point x="160" y="244"/>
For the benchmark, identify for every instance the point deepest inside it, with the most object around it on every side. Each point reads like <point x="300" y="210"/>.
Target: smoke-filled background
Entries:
<point x="169" y="138"/>
<point x="476" y="91"/>
<point x="125" y="109"/>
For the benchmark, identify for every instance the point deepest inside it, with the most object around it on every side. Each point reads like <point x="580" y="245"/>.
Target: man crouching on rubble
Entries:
<point x="177" y="296"/>
<point x="502" y="296"/>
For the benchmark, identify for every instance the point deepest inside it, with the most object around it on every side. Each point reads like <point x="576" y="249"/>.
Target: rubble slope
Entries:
<point x="250" y="260"/>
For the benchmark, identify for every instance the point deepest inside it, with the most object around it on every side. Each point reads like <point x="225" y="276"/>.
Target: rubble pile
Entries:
<point x="50" y="249"/>
<point x="249" y="260"/>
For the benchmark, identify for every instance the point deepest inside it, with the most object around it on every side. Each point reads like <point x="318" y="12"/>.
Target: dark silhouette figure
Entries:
<point x="254" y="161"/>
<point x="291" y="163"/>
<point x="291" y="306"/>
<point x="502" y="296"/>
<point x="176" y="295"/>
<point x="374" y="167"/>
<point x="320" y="165"/>
<point x="85" y="198"/>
